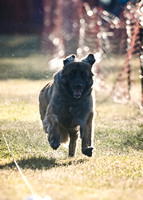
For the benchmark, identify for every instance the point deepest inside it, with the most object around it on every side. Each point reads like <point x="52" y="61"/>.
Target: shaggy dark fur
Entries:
<point x="67" y="105"/>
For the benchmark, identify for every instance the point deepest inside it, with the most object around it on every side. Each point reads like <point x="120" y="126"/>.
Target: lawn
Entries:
<point x="115" y="172"/>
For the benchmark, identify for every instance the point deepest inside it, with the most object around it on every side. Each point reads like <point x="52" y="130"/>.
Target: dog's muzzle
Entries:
<point x="77" y="90"/>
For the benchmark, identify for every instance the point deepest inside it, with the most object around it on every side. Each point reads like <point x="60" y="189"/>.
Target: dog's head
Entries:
<point x="77" y="76"/>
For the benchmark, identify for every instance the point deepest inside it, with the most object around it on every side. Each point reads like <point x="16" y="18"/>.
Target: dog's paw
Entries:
<point x="54" y="144"/>
<point x="88" y="151"/>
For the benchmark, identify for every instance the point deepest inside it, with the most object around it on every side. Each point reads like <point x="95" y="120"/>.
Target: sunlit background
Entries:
<point x="35" y="37"/>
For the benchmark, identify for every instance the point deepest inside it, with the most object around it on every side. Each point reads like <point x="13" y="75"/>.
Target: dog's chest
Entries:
<point x="72" y="115"/>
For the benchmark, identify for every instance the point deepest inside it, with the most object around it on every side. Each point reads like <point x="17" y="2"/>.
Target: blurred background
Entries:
<point x="35" y="36"/>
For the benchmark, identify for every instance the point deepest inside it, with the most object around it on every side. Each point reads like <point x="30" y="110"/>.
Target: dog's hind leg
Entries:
<point x="87" y="136"/>
<point x="72" y="145"/>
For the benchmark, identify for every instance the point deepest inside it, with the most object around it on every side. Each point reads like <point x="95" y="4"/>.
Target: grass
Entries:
<point x="21" y="57"/>
<point x="115" y="172"/>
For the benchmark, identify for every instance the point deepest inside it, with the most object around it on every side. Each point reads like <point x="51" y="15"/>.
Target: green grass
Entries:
<point x="21" y="56"/>
<point x="115" y="172"/>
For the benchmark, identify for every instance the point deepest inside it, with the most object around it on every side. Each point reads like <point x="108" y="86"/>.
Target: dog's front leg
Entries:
<point x="87" y="131"/>
<point x="54" y="132"/>
<point x="51" y="126"/>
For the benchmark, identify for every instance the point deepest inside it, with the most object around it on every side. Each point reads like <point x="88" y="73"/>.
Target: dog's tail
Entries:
<point x="64" y="136"/>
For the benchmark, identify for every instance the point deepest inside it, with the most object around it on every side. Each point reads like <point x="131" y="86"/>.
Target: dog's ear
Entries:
<point x="90" y="59"/>
<point x="69" y="59"/>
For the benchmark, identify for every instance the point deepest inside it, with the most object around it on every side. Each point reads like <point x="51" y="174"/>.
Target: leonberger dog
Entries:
<point x="67" y="105"/>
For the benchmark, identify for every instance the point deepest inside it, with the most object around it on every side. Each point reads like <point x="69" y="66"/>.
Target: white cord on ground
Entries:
<point x="34" y="196"/>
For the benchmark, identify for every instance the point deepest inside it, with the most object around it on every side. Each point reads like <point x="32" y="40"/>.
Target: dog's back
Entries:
<point x="44" y="98"/>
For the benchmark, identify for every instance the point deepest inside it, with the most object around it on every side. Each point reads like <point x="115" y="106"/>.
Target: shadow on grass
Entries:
<point x="41" y="163"/>
<point x="136" y="141"/>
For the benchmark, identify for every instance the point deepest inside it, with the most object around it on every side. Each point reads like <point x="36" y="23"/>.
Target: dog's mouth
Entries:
<point x="77" y="93"/>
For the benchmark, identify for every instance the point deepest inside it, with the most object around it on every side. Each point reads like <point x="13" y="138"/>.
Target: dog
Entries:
<point x="67" y="105"/>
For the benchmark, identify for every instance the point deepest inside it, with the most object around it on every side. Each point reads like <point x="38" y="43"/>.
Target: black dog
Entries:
<point x="67" y="105"/>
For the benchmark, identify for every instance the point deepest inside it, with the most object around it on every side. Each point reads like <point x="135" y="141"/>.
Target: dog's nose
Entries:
<point x="78" y="85"/>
